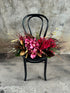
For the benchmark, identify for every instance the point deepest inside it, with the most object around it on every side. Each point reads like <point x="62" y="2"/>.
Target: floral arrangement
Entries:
<point x="32" y="47"/>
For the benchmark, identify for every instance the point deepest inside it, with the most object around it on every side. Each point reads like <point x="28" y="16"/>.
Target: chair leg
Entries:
<point x="45" y="66"/>
<point x="25" y="69"/>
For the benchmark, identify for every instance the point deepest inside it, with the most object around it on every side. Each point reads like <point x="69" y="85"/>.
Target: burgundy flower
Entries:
<point x="21" y="37"/>
<point x="50" y="53"/>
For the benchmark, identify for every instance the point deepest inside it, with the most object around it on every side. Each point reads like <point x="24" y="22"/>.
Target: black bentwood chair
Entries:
<point x="37" y="59"/>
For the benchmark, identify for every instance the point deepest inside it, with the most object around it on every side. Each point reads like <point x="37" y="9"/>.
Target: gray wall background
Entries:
<point x="13" y="11"/>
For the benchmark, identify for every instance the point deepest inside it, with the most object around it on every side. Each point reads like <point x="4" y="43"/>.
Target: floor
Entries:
<point x="12" y="76"/>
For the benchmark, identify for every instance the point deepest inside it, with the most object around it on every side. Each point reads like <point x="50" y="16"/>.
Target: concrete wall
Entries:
<point x="13" y="11"/>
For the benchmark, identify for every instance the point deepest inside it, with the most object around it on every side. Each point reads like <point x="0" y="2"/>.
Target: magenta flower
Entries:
<point x="33" y="56"/>
<point x="32" y="46"/>
<point x="34" y="53"/>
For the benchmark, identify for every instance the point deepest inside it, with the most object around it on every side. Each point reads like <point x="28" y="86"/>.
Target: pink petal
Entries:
<point x="31" y="46"/>
<point x="34" y="39"/>
<point x="35" y="50"/>
<point x="26" y="40"/>
<point x="32" y="56"/>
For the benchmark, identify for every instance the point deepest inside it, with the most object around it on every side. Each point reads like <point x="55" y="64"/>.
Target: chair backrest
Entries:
<point x="40" y="16"/>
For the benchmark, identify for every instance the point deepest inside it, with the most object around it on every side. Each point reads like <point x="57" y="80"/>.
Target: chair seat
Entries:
<point x="35" y="60"/>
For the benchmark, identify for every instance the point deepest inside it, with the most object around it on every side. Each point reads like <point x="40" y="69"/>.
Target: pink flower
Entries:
<point x="32" y="46"/>
<point x="26" y="40"/>
<point x="34" y="53"/>
<point x="33" y="56"/>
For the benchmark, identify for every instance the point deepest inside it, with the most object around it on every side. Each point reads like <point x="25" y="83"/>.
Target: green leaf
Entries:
<point x="48" y="57"/>
<point x="17" y="55"/>
<point x="37" y="36"/>
<point x="18" y="52"/>
<point x="54" y="49"/>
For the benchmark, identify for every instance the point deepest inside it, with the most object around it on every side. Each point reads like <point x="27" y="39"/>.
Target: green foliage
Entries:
<point x="37" y="35"/>
<point x="18" y="52"/>
<point x="53" y="49"/>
